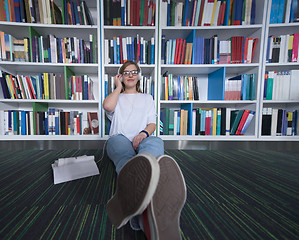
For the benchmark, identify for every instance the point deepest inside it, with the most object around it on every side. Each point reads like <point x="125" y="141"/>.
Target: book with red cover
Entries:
<point x="233" y="50"/>
<point x="12" y="10"/>
<point x="2" y="11"/>
<point x="237" y="49"/>
<point x="208" y="122"/>
<point x="93" y="122"/>
<point x="176" y="51"/>
<point x="253" y="48"/>
<point x="242" y="121"/>
<point x="241" y="49"/>
<point x="137" y="13"/>
<point x="145" y="13"/>
<point x="295" y="47"/>
<point x="31" y="89"/>
<point x="132" y="11"/>
<point x="245" y="50"/>
<point x="201" y="12"/>
<point x="222" y="14"/>
<point x="183" y="51"/>
<point x="78" y="125"/>
<point x="179" y="51"/>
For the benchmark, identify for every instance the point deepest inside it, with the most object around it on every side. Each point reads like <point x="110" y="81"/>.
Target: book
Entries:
<point x="294" y="85"/>
<point x="247" y="122"/>
<point x="266" y="121"/>
<point x="242" y="121"/>
<point x="235" y="121"/>
<point x="93" y="122"/>
<point x="216" y="84"/>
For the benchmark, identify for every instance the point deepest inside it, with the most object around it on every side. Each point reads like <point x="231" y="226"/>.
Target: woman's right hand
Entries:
<point x="117" y="80"/>
<point x="110" y="101"/>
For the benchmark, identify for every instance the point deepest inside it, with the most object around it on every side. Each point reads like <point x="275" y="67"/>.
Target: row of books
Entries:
<point x="241" y="87"/>
<point x="121" y="49"/>
<point x="283" y="48"/>
<point x="281" y="85"/>
<point x="48" y="49"/>
<point x="46" y="86"/>
<point x="238" y="49"/>
<point x="200" y="121"/>
<point x="179" y="88"/>
<point x="74" y="12"/>
<point x="208" y="12"/>
<point x="284" y="11"/>
<point x="129" y="12"/>
<point x="279" y="122"/>
<point x="51" y="122"/>
<point x="146" y="85"/>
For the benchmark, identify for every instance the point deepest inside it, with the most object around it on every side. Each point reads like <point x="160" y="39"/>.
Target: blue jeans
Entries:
<point x="120" y="149"/>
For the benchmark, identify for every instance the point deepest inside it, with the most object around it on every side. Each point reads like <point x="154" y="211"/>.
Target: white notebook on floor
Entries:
<point x="68" y="169"/>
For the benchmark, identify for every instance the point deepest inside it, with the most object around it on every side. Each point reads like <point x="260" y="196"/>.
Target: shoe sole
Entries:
<point x="136" y="185"/>
<point x="168" y="201"/>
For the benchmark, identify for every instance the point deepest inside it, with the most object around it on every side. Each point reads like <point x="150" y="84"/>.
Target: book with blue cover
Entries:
<point x="216" y="84"/>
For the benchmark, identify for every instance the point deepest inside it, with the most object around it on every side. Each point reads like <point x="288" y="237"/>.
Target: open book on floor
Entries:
<point x="68" y="169"/>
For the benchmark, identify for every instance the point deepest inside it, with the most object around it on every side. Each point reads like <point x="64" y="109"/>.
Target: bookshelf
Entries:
<point x="280" y="69"/>
<point x="211" y="76"/>
<point x="67" y="104"/>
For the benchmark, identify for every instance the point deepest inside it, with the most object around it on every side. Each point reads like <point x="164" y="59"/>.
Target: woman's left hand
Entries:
<point x="138" y="139"/>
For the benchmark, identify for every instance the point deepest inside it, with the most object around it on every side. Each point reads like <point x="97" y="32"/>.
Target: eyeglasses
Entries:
<point x="133" y="72"/>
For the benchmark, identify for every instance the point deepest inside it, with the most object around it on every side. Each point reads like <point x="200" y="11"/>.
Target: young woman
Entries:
<point x="139" y="161"/>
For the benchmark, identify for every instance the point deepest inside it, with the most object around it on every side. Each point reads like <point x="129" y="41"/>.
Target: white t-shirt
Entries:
<point x="133" y="112"/>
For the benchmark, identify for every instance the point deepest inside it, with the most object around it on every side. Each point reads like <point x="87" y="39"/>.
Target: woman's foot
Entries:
<point x="136" y="185"/>
<point x="167" y="203"/>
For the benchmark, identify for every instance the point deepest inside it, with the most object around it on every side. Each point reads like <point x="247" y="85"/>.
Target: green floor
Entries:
<point x="231" y="195"/>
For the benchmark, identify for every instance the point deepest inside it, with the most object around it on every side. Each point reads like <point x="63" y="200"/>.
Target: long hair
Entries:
<point x="122" y="69"/>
